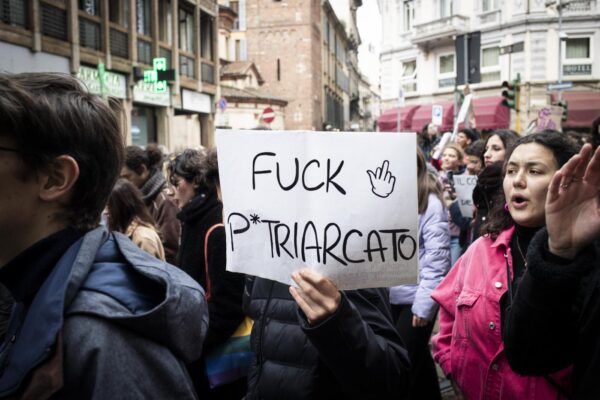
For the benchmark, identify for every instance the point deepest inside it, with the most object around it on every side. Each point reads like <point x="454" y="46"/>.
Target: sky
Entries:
<point x="369" y="27"/>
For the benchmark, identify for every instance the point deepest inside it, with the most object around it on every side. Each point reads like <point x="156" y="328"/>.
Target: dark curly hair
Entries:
<point x="151" y="157"/>
<point x="210" y="168"/>
<point x="562" y="148"/>
<point x="189" y="165"/>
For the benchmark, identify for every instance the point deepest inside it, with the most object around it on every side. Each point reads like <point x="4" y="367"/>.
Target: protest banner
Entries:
<point x="463" y="186"/>
<point x="343" y="204"/>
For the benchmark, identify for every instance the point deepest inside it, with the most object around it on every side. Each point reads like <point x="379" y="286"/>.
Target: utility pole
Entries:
<point x="466" y="70"/>
<point x="560" y="72"/>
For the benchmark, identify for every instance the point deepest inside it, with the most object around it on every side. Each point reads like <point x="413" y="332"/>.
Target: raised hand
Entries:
<point x="382" y="180"/>
<point x="316" y="295"/>
<point x="573" y="204"/>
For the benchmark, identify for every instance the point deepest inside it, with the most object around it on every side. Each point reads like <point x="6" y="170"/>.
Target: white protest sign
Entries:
<point x="436" y="115"/>
<point x="439" y="148"/>
<point x="462" y="114"/>
<point x="463" y="186"/>
<point x="343" y="204"/>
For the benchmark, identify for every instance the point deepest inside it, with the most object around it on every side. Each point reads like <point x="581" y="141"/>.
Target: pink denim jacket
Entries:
<point x="469" y="345"/>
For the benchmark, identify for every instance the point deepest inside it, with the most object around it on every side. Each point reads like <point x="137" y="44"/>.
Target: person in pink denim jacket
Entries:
<point x="476" y="295"/>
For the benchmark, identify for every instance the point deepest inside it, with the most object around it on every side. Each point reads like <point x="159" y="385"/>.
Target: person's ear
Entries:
<point x="58" y="178"/>
<point x="144" y="173"/>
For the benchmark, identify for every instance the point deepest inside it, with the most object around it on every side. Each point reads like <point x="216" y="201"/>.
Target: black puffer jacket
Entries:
<point x="555" y="317"/>
<point x="226" y="288"/>
<point x="354" y="354"/>
<point x="224" y="294"/>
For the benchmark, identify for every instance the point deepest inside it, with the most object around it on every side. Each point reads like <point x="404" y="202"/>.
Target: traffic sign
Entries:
<point x="268" y="115"/>
<point x="222" y="104"/>
<point x="436" y="115"/>
<point x="559" y="86"/>
<point x="512" y="48"/>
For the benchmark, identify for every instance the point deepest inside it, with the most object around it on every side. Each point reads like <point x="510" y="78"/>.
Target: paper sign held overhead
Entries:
<point x="343" y="204"/>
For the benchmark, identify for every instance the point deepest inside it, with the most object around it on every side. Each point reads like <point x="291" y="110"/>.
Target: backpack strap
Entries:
<point x="208" y="282"/>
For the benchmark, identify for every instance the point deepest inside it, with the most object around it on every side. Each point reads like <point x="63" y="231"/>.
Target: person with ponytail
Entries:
<point x="143" y="168"/>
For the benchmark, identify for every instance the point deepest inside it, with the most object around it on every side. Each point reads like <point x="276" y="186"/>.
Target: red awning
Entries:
<point x="583" y="108"/>
<point x="490" y="113"/>
<point x="423" y="116"/>
<point x="388" y="121"/>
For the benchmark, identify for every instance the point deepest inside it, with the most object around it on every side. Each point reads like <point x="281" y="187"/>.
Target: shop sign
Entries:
<point x="148" y="93"/>
<point x="577" y="69"/>
<point x="446" y="82"/>
<point x="116" y="84"/>
<point x="195" y="101"/>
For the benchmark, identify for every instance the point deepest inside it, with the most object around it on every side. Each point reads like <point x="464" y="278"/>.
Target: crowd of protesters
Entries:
<point x="114" y="282"/>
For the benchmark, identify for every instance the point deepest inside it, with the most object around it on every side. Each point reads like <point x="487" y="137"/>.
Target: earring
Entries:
<point x="505" y="207"/>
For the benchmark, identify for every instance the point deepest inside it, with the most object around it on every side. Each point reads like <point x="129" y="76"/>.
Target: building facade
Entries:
<point x="243" y="103"/>
<point x="517" y="38"/>
<point x="307" y="56"/>
<point x="109" y="44"/>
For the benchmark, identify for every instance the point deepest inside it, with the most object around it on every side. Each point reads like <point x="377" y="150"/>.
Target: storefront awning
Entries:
<point x="423" y="116"/>
<point x="388" y="121"/>
<point x="583" y="108"/>
<point x="490" y="113"/>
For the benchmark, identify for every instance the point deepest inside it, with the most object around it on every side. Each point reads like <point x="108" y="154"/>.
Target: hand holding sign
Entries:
<point x="382" y="180"/>
<point x="316" y="295"/>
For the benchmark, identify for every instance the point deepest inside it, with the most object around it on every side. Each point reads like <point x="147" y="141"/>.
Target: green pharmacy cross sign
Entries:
<point x="153" y="76"/>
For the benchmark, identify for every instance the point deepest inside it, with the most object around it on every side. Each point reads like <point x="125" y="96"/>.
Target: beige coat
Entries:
<point x="146" y="238"/>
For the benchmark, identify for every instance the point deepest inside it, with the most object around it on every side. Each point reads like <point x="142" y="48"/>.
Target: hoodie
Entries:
<point x="110" y="321"/>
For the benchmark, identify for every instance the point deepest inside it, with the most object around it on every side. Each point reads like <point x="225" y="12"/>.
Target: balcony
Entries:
<point x="439" y="30"/>
<point x="579" y="7"/>
<point x="489" y="17"/>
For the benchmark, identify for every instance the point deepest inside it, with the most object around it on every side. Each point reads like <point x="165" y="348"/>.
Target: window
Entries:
<point x="409" y="76"/>
<point x="90" y="7"/>
<point x="489" y="5"/>
<point x="186" y="30"/>
<point x="490" y="64"/>
<point x="278" y="70"/>
<point x="13" y="12"/>
<point x="578" y="48"/>
<point x="90" y="34"/>
<point x="53" y="21"/>
<point x="445" y="8"/>
<point x="238" y="49"/>
<point x="143" y="17"/>
<point x="577" y="56"/>
<point x="235" y="6"/>
<point x="206" y="36"/>
<point x="447" y="64"/>
<point x="446" y="71"/>
<point x="165" y="21"/>
<point x="409" y="15"/>
<point x="340" y="51"/>
<point x="118" y="12"/>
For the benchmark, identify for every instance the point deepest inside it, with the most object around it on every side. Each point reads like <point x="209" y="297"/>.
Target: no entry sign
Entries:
<point x="268" y="115"/>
